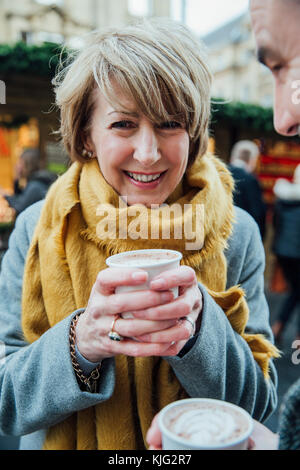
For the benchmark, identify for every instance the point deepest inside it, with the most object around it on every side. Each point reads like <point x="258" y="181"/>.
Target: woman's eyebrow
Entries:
<point x="127" y="113"/>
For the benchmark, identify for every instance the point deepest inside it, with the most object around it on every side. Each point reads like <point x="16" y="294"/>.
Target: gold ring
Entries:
<point x="113" y="335"/>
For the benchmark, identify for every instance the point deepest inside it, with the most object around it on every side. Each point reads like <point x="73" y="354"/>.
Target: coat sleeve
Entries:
<point x="220" y="364"/>
<point x="38" y="387"/>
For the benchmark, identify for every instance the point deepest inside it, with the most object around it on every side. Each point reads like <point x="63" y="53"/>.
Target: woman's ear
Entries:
<point x="86" y="140"/>
<point x="87" y="145"/>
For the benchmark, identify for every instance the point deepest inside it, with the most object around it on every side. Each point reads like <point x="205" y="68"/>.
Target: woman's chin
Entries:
<point x="144" y="202"/>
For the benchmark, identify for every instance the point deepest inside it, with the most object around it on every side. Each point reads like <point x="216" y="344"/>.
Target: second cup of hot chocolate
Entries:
<point x="204" y="424"/>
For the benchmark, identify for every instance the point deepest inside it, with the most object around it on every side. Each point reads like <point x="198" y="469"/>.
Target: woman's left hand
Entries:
<point x="188" y="303"/>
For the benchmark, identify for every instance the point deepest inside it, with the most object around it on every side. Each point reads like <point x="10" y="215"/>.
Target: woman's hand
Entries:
<point x="188" y="303"/>
<point x="157" y="323"/>
<point x="104" y="304"/>
<point x="261" y="438"/>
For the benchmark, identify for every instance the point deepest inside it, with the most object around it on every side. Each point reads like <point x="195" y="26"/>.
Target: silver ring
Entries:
<point x="187" y="318"/>
<point x="113" y="335"/>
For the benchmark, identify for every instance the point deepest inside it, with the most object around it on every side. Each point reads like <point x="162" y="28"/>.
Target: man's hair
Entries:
<point x="158" y="63"/>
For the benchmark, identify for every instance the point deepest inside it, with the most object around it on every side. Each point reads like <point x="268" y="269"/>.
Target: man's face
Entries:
<point x="276" y="25"/>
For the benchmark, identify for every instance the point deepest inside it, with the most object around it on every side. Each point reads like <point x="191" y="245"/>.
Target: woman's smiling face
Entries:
<point x="142" y="161"/>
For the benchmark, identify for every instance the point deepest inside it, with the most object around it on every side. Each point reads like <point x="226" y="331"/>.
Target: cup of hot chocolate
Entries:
<point x="204" y="424"/>
<point x="153" y="261"/>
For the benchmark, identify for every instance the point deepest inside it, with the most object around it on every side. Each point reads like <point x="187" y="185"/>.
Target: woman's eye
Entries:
<point x="123" y="125"/>
<point x="170" y="125"/>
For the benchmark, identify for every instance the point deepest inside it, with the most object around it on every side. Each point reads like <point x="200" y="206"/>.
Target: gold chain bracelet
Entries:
<point x="91" y="381"/>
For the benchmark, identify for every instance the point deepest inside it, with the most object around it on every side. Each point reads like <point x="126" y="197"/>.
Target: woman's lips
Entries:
<point x="146" y="185"/>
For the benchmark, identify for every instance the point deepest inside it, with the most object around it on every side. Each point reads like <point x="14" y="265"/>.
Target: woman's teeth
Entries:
<point x="143" y="178"/>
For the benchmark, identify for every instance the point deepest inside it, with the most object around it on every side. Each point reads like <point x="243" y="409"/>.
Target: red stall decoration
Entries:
<point x="277" y="160"/>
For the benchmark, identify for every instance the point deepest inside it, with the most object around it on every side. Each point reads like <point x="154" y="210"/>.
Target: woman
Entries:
<point x="135" y="107"/>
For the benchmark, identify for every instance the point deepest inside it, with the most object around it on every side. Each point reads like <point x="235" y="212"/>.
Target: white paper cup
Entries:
<point x="173" y="441"/>
<point x="164" y="264"/>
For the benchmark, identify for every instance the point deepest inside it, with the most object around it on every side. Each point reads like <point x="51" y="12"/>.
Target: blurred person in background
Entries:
<point x="286" y="247"/>
<point x="244" y="155"/>
<point x="37" y="181"/>
<point x="248" y="192"/>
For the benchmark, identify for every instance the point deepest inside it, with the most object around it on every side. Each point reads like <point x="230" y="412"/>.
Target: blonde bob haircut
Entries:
<point x="158" y="63"/>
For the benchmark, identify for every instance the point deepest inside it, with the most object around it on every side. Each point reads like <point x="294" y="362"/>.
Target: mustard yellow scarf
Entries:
<point x="63" y="261"/>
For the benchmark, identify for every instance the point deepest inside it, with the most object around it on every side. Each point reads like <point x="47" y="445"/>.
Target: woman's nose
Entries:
<point x="146" y="146"/>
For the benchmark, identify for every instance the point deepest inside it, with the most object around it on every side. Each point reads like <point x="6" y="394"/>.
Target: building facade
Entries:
<point x="36" y="21"/>
<point x="237" y="74"/>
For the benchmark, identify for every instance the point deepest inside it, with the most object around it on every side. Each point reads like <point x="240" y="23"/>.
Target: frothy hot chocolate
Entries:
<point x="206" y="424"/>
<point x="144" y="258"/>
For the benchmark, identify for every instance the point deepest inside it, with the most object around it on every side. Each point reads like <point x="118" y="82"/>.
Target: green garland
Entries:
<point x="242" y="115"/>
<point x="43" y="60"/>
<point x="34" y="60"/>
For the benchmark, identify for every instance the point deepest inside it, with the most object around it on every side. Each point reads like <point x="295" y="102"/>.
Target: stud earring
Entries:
<point x="87" y="154"/>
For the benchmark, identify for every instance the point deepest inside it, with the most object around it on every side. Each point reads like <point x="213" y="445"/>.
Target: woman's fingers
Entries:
<point x="130" y="301"/>
<point x="180" y="307"/>
<point x="110" y="278"/>
<point x="135" y="327"/>
<point x="155" y="314"/>
<point x="182" y="276"/>
<point x="183" y="330"/>
<point x="130" y="347"/>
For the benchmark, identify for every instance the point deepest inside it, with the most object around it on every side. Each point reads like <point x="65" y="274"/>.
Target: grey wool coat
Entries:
<point x="38" y="386"/>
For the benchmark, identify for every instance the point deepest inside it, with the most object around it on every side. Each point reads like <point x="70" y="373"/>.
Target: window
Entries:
<point x="43" y="36"/>
<point x="50" y="2"/>
<point x="26" y="37"/>
<point x="139" y="7"/>
<point x="178" y="10"/>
